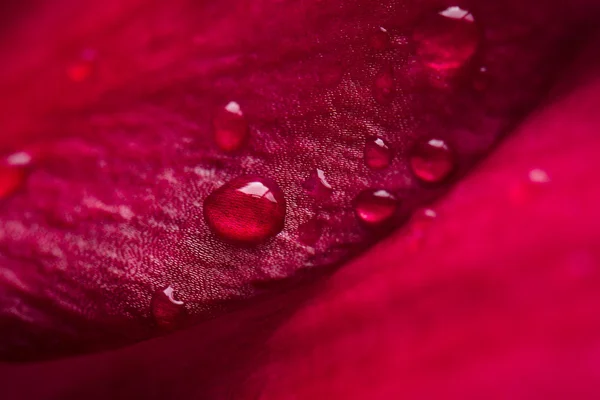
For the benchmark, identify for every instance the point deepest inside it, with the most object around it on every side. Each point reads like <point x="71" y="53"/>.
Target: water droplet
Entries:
<point x="380" y="39"/>
<point x="230" y="127"/>
<point x="419" y="223"/>
<point x="383" y="88"/>
<point x="83" y="68"/>
<point x="377" y="153"/>
<point x="11" y="178"/>
<point x="374" y="207"/>
<point x="446" y="40"/>
<point x="524" y="191"/>
<point x="317" y="186"/>
<point x="168" y="313"/>
<point x="246" y="210"/>
<point x="431" y="160"/>
<point x="481" y="79"/>
<point x="310" y="231"/>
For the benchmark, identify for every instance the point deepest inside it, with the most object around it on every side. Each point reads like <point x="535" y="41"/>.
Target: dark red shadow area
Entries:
<point x="489" y="292"/>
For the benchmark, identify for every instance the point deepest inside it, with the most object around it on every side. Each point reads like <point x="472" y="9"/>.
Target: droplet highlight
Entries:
<point x="377" y="153"/>
<point x="230" y="127"/>
<point x="446" y="40"/>
<point x="374" y="207"/>
<point x="246" y="210"/>
<point x="431" y="160"/>
<point x="316" y="185"/>
<point x="168" y="312"/>
<point x="310" y="231"/>
<point x="384" y="86"/>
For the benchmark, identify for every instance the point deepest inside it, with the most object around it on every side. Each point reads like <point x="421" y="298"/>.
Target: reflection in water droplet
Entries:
<point x="310" y="231"/>
<point x="246" y="210"/>
<point x="82" y="69"/>
<point x="317" y="186"/>
<point x="383" y="87"/>
<point x="167" y="312"/>
<point x="374" y="207"/>
<point x="230" y="128"/>
<point x="380" y="39"/>
<point x="446" y="40"/>
<point x="431" y="160"/>
<point x="377" y="153"/>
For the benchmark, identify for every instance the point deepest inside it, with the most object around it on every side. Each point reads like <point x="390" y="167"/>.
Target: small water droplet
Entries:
<point x="431" y="160"/>
<point x="526" y="190"/>
<point x="374" y="207"/>
<point x="380" y="39"/>
<point x="481" y="79"/>
<point x="317" y="186"/>
<point x="11" y="178"/>
<point x="419" y="223"/>
<point x="310" y="231"/>
<point x="230" y="128"/>
<point x="246" y="210"/>
<point x="167" y="312"/>
<point x="377" y="153"/>
<point x="384" y="86"/>
<point x="82" y="69"/>
<point x="446" y="40"/>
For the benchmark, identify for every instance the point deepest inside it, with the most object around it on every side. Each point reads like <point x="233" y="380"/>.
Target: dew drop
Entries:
<point x="383" y="87"/>
<point x="12" y="173"/>
<point x="317" y="186"/>
<point x="246" y="210"/>
<point x="374" y="207"/>
<point x="380" y="39"/>
<point x="524" y="191"/>
<point x="419" y="223"/>
<point x="82" y="69"/>
<point x="431" y="160"/>
<point x="167" y="312"/>
<point x="377" y="153"/>
<point x="446" y="40"/>
<point x="310" y="231"/>
<point x="230" y="128"/>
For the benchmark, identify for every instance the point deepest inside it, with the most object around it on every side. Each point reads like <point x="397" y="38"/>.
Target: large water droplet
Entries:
<point x="317" y="186"/>
<point x="11" y="178"/>
<point x="374" y="207"/>
<point x="431" y="160"/>
<point x="384" y="86"/>
<point x="310" y="231"/>
<point x="230" y="127"/>
<point x="167" y="312"/>
<point x="446" y="40"/>
<point x="246" y="210"/>
<point x="377" y="153"/>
